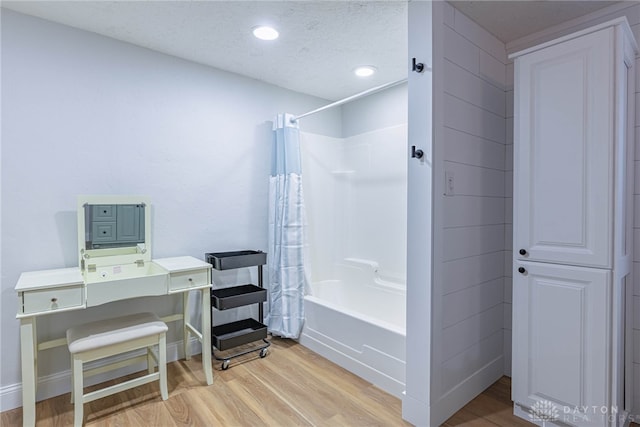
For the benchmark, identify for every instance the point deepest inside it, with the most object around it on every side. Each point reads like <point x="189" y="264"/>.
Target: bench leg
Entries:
<point x="73" y="385"/>
<point x="162" y="365"/>
<point x="78" y="405"/>
<point x="186" y="333"/>
<point x="150" y="362"/>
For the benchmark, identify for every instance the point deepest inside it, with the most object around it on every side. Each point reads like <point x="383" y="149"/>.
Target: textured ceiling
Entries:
<point x="511" y="20"/>
<point x="320" y="43"/>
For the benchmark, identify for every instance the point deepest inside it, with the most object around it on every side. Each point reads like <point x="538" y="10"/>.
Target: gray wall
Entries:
<point x="377" y="111"/>
<point x="85" y="114"/>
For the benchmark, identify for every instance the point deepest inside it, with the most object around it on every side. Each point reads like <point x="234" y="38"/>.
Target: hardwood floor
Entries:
<point x="292" y="386"/>
<point x="492" y="408"/>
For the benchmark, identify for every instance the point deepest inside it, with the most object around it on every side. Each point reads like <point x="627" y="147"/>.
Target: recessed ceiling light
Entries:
<point x="365" y="71"/>
<point x="265" y="33"/>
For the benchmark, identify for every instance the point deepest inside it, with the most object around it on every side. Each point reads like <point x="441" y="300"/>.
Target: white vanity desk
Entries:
<point x="41" y="293"/>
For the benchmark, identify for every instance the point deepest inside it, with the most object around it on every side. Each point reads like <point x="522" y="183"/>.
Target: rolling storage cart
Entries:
<point x="234" y="334"/>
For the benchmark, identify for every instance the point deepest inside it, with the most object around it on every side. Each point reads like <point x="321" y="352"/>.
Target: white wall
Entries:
<point x="469" y="221"/>
<point x="377" y="111"/>
<point x="422" y="101"/>
<point x="85" y="114"/>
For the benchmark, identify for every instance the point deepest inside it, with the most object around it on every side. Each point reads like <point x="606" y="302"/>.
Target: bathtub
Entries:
<point x="358" y="322"/>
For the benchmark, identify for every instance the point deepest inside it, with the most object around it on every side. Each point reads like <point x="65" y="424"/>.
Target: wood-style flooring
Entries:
<point x="292" y="386"/>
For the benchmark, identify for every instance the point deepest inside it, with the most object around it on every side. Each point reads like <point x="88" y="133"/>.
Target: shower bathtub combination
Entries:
<point x="358" y="322"/>
<point x="355" y="199"/>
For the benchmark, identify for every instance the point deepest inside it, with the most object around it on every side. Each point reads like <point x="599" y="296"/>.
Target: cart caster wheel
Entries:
<point x="263" y="352"/>
<point x="225" y="365"/>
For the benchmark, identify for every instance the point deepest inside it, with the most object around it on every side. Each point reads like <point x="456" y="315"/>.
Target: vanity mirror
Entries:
<point x="113" y="230"/>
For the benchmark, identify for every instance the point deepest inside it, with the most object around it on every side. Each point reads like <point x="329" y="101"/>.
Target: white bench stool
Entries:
<point x="97" y="340"/>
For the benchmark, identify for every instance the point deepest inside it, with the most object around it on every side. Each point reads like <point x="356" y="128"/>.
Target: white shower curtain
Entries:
<point x="285" y="262"/>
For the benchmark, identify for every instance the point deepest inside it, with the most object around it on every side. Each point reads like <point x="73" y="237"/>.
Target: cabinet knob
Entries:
<point x="54" y="300"/>
<point x="521" y="270"/>
<point x="523" y="251"/>
<point x="190" y="279"/>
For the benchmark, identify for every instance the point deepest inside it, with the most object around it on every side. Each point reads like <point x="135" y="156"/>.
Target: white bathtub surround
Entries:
<point x="355" y="191"/>
<point x="359" y="290"/>
<point x="356" y="198"/>
<point x="358" y="321"/>
<point x="285" y="260"/>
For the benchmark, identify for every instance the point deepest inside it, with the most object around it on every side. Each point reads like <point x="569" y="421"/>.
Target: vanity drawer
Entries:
<point x="188" y="279"/>
<point x="104" y="212"/>
<point x="47" y="300"/>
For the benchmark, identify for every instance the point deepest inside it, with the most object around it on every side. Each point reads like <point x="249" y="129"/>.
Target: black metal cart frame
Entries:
<point x="234" y="334"/>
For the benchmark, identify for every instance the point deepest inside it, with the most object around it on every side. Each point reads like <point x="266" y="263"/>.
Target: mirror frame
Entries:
<point x="113" y="256"/>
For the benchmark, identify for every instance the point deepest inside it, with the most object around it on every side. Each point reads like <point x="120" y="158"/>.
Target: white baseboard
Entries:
<point x="463" y="393"/>
<point x="415" y="411"/>
<point x="60" y="382"/>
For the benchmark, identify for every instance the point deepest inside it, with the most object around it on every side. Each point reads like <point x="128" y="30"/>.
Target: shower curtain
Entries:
<point x="285" y="261"/>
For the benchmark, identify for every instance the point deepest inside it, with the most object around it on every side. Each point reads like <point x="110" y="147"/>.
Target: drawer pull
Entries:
<point x="190" y="279"/>
<point x="54" y="300"/>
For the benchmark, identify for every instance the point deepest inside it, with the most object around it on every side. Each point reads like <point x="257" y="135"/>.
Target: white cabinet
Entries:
<point x="572" y="259"/>
<point x="563" y="347"/>
<point x="564" y="152"/>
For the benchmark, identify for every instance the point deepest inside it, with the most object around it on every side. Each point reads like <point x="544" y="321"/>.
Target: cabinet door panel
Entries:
<point x="560" y="338"/>
<point x="564" y="152"/>
<point x="128" y="225"/>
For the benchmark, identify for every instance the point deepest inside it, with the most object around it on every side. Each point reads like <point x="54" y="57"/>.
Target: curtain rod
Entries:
<point x="350" y="98"/>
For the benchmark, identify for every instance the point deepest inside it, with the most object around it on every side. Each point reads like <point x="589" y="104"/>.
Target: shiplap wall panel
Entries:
<point x="476" y="357"/>
<point x="466" y="272"/>
<point x="486" y="42"/>
<point x="465" y="85"/>
<point x="474" y="210"/>
<point x="492" y="70"/>
<point x="461" y="51"/>
<point x="462" y="115"/>
<point x="473" y="225"/>
<point x="472" y="150"/>
<point x="508" y="221"/>
<point x="508" y="184"/>
<point x="636" y="381"/>
<point x="508" y="238"/>
<point x="508" y="157"/>
<point x="463" y="242"/>
<point x="472" y="301"/>
<point x="509" y="106"/>
<point x="456" y="339"/>
<point x="508" y="290"/>
<point x="476" y="180"/>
